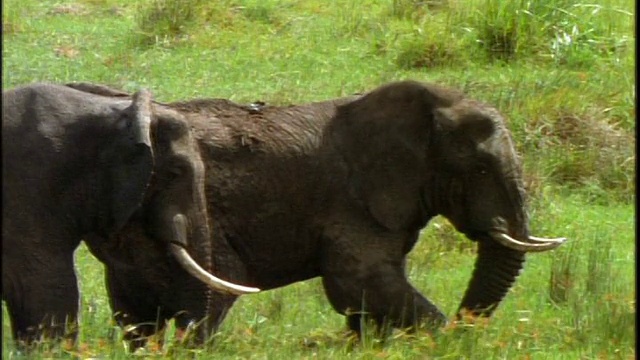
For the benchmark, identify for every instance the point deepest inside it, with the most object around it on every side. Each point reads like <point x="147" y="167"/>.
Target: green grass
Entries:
<point x="562" y="72"/>
<point x="588" y="311"/>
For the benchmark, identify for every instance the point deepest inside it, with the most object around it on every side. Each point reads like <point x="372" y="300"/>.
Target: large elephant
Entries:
<point x="340" y="189"/>
<point x="108" y="169"/>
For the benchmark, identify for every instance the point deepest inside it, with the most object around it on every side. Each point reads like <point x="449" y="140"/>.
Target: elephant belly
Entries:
<point x="274" y="256"/>
<point x="266" y="210"/>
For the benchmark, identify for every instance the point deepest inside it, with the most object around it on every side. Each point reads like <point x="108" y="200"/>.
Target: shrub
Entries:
<point x="421" y="50"/>
<point x="161" y="19"/>
<point x="587" y="152"/>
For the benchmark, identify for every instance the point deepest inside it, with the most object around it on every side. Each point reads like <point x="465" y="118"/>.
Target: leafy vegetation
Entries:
<point x="561" y="71"/>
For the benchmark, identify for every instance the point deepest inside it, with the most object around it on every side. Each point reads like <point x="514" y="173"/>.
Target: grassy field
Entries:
<point x="562" y="72"/>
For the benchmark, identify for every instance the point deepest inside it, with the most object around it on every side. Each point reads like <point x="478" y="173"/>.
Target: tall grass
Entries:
<point x="561" y="71"/>
<point x="589" y="146"/>
<point x="595" y="316"/>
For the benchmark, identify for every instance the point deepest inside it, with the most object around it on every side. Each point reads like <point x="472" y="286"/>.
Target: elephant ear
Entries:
<point x="384" y="138"/>
<point x="132" y="165"/>
<point x="467" y="120"/>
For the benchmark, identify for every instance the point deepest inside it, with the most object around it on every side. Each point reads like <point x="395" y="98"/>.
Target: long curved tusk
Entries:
<point x="192" y="267"/>
<point x="538" y="246"/>
<point x="201" y="274"/>
<point x="545" y="240"/>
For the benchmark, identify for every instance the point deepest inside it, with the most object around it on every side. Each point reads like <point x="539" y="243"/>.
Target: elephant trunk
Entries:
<point x="495" y="271"/>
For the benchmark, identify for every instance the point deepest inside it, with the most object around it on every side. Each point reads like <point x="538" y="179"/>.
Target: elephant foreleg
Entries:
<point x="379" y="292"/>
<point x="41" y="293"/>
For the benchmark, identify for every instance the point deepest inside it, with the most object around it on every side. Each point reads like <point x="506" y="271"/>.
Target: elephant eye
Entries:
<point x="482" y="170"/>
<point x="176" y="171"/>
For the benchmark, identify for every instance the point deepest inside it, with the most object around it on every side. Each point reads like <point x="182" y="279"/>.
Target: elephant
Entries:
<point x="340" y="189"/>
<point x="81" y="163"/>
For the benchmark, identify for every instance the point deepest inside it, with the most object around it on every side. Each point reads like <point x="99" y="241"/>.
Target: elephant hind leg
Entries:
<point x="42" y="298"/>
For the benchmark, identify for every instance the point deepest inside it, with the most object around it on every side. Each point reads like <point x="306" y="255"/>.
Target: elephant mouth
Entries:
<point x="498" y="234"/>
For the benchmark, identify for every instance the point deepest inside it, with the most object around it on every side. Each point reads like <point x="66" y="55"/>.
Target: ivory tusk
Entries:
<point x="538" y="246"/>
<point x="201" y="274"/>
<point x="544" y="240"/>
<point x="192" y="267"/>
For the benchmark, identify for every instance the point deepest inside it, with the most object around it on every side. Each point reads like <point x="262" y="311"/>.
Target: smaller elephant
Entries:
<point x="340" y="189"/>
<point x="81" y="162"/>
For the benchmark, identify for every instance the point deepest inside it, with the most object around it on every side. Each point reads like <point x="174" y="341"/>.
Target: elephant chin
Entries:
<point x="192" y="267"/>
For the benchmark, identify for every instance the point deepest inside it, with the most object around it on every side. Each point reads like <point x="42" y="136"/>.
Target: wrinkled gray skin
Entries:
<point x="340" y="189"/>
<point x="79" y="166"/>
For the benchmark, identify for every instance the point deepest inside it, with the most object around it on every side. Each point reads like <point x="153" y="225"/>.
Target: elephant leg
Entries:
<point x="227" y="264"/>
<point x="41" y="293"/>
<point x="135" y="308"/>
<point x="220" y="306"/>
<point x="380" y="292"/>
<point x="217" y="310"/>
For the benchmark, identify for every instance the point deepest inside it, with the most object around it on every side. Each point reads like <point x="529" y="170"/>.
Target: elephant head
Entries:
<point x="84" y="163"/>
<point x="418" y="150"/>
<point x="154" y="163"/>
<point x="175" y="200"/>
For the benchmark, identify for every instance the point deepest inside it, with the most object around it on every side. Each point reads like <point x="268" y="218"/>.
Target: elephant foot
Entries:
<point x="362" y="326"/>
<point x="140" y="331"/>
<point x="190" y="335"/>
<point x="381" y="326"/>
<point x="44" y="336"/>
